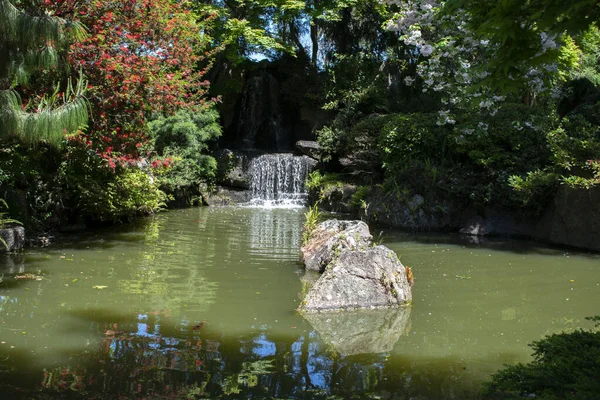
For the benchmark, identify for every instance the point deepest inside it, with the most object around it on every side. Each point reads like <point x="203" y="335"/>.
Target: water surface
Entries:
<point x="200" y="303"/>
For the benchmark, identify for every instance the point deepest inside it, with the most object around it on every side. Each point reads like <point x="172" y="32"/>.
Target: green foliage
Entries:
<point x="515" y="27"/>
<point x="512" y="138"/>
<point x="577" y="139"/>
<point x="410" y="138"/>
<point x="534" y="190"/>
<point x="50" y="122"/>
<point x="30" y="172"/>
<point x="29" y="43"/>
<point x="311" y="218"/>
<point x="575" y="146"/>
<point x="358" y="199"/>
<point x="564" y="366"/>
<point x="4" y="219"/>
<point x="98" y="193"/>
<point x="589" y="45"/>
<point x="314" y="181"/>
<point x="322" y="184"/>
<point x="470" y="161"/>
<point x="184" y="138"/>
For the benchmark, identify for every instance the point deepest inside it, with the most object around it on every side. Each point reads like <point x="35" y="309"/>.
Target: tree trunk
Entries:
<point x="296" y="40"/>
<point x="314" y="36"/>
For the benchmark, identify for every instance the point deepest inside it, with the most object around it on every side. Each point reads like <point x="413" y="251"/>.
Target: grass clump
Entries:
<point x="312" y="218"/>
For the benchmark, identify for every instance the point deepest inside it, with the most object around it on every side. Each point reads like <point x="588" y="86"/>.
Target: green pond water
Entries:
<point x="200" y="303"/>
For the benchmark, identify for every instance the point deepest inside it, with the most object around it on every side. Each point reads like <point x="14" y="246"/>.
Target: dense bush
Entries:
<point x="481" y="159"/>
<point x="183" y="140"/>
<point x="97" y="193"/>
<point x="28" y="183"/>
<point x="575" y="146"/>
<point x="565" y="366"/>
<point x="494" y="151"/>
<point x="409" y="138"/>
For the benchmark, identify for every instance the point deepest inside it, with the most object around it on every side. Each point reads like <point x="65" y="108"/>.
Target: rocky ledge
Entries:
<point x="355" y="274"/>
<point x="13" y="237"/>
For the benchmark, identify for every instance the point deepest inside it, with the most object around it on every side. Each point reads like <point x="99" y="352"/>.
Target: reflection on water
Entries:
<point x="362" y="331"/>
<point x="274" y="234"/>
<point x="200" y="303"/>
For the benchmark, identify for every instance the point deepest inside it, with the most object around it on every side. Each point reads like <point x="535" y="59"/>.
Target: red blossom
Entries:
<point x="141" y="58"/>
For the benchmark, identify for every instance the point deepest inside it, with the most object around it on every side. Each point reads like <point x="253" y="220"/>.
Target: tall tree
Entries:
<point x="141" y="58"/>
<point x="29" y="41"/>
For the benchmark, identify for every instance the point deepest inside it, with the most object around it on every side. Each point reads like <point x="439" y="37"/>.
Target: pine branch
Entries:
<point x="50" y="123"/>
<point x="29" y="42"/>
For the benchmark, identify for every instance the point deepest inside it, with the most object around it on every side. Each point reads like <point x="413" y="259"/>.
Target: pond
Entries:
<point x="200" y="303"/>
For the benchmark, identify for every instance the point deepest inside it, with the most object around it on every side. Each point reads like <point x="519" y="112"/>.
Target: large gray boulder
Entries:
<point x="309" y="148"/>
<point x="13" y="237"/>
<point x="330" y="239"/>
<point x="371" y="278"/>
<point x="361" y="331"/>
<point x="224" y="196"/>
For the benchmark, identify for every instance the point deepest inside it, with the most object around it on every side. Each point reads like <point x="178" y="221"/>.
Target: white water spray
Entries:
<point x="277" y="180"/>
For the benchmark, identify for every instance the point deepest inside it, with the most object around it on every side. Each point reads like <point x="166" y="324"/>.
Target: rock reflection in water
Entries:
<point x="361" y="331"/>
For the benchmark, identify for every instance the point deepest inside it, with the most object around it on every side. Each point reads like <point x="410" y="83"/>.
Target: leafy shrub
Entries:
<point x="28" y="183"/>
<point x="575" y="146"/>
<point x="534" y="190"/>
<point x="314" y="180"/>
<point x="358" y="199"/>
<point x="183" y="138"/>
<point x="409" y="138"/>
<point x="495" y="148"/>
<point x="564" y="366"/>
<point x="98" y="193"/>
<point x="318" y="185"/>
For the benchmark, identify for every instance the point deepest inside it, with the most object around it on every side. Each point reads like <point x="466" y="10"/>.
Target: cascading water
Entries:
<point x="278" y="180"/>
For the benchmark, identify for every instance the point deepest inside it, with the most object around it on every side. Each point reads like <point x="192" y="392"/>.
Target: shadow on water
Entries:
<point x="499" y="243"/>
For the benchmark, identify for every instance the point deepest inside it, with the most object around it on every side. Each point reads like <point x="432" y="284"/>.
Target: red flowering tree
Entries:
<point x="141" y="59"/>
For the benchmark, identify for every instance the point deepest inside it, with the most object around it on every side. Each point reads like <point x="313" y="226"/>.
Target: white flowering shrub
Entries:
<point x="453" y="59"/>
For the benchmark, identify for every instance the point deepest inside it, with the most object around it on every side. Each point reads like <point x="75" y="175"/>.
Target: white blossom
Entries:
<point x="548" y="42"/>
<point x="426" y="50"/>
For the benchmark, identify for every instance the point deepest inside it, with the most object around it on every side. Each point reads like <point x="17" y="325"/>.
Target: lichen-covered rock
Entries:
<point x="336" y="198"/>
<point x="232" y="169"/>
<point x="309" y="148"/>
<point x="224" y="196"/>
<point x="413" y="213"/>
<point x="361" y="331"/>
<point x="372" y="278"/>
<point x="330" y="239"/>
<point x="13" y="237"/>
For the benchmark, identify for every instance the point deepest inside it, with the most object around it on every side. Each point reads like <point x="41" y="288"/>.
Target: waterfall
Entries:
<point x="278" y="180"/>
